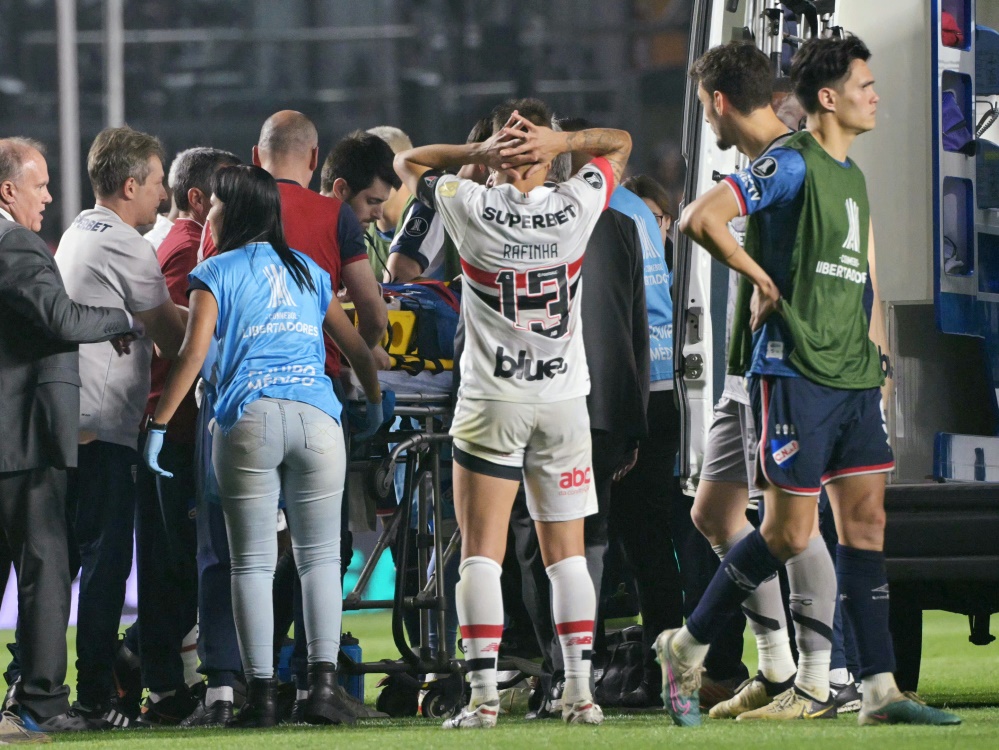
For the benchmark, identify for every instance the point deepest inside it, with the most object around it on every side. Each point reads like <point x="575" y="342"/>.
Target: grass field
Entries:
<point x="954" y="673"/>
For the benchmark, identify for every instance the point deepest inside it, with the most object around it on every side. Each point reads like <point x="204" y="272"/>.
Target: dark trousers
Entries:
<point x="218" y="647"/>
<point x="671" y="561"/>
<point x="102" y="509"/>
<point x="609" y="450"/>
<point x="642" y="523"/>
<point x="166" y="545"/>
<point x="33" y="524"/>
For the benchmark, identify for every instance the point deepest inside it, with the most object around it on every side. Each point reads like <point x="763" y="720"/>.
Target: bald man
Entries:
<point x="324" y="228"/>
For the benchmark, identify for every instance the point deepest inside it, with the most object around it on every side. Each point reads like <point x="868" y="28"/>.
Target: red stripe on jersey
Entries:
<point x="481" y="631"/>
<point x="477" y="275"/>
<point x="604" y="166"/>
<point x="488" y="278"/>
<point x="577" y="626"/>
<point x="738" y="195"/>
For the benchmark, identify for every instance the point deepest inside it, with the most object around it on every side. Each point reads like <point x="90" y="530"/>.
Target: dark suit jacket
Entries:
<point x="616" y="327"/>
<point x="40" y="328"/>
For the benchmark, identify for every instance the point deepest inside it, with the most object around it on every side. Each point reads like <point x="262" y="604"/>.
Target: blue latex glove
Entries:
<point x="374" y="416"/>
<point x="151" y="452"/>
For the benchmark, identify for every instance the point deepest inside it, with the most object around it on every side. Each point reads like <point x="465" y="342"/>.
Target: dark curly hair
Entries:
<point x="824" y="63"/>
<point x="740" y="71"/>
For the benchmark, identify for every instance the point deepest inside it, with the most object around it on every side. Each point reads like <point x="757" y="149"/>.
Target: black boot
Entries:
<point x="324" y="705"/>
<point x="260" y="709"/>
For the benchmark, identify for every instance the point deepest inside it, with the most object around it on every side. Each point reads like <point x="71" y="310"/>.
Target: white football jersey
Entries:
<point x="521" y="258"/>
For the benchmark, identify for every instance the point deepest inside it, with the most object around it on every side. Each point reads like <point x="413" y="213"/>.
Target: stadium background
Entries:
<point x="208" y="72"/>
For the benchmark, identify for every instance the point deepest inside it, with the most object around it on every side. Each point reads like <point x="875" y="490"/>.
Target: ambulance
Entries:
<point x="932" y="169"/>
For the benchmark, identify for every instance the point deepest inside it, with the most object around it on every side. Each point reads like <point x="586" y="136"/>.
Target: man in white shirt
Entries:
<point x="106" y="262"/>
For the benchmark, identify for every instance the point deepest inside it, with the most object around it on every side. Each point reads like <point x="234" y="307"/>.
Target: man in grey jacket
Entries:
<point x="40" y="328"/>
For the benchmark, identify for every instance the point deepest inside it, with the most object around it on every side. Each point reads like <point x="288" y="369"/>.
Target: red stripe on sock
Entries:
<point x="481" y="631"/>
<point x="578" y="626"/>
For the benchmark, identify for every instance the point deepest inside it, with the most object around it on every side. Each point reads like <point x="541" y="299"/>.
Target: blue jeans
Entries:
<point x="292" y="449"/>
<point x="101" y="504"/>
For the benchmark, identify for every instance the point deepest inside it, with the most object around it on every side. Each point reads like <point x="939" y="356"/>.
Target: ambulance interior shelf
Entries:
<point x="987" y="85"/>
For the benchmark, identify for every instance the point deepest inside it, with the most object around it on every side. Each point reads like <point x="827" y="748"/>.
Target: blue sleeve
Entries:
<point x="350" y="236"/>
<point x="204" y="276"/>
<point x="772" y="180"/>
<point x="324" y="286"/>
<point x="414" y="231"/>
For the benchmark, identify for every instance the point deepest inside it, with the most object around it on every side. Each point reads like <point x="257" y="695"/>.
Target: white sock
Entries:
<point x="840" y="676"/>
<point x="879" y="689"/>
<point x="688" y="649"/>
<point x="574" y="606"/>
<point x="216" y="694"/>
<point x="301" y="695"/>
<point x="813" y="674"/>
<point x="157" y="697"/>
<point x="775" y="660"/>
<point x="189" y="655"/>
<point x="479" y="601"/>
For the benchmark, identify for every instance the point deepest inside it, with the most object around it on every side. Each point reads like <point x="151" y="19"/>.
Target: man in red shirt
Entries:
<point x="165" y="530"/>
<point x="324" y="228"/>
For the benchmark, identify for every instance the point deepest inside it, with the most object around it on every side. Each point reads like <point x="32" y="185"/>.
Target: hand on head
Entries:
<point x="513" y="147"/>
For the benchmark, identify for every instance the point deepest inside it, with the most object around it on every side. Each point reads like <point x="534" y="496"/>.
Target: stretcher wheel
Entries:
<point x="444" y="697"/>
<point x="398" y="698"/>
<point x="383" y="480"/>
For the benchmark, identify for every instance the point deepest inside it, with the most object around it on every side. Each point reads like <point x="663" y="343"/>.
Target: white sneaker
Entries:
<point x="482" y="716"/>
<point x="582" y="712"/>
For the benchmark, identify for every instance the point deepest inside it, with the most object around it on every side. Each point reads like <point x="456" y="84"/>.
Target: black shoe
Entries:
<point x="10" y="698"/>
<point x="71" y="721"/>
<point x="169" y="711"/>
<point x="358" y="708"/>
<point x="127" y="672"/>
<point x="117" y="715"/>
<point x="297" y="715"/>
<point x="644" y="696"/>
<point x="260" y="709"/>
<point x="219" y="714"/>
<point x="551" y="707"/>
<point x="93" y="716"/>
<point x="325" y="705"/>
<point x="103" y="717"/>
<point x="846" y="697"/>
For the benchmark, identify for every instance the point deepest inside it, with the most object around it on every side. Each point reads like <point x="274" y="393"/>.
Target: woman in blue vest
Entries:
<point x="276" y="430"/>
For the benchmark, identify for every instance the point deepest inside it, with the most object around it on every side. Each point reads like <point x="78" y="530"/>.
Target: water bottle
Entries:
<point x="284" y="660"/>
<point x="352" y="683"/>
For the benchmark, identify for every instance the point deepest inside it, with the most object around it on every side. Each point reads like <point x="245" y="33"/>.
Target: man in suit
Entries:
<point x="40" y="328"/>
